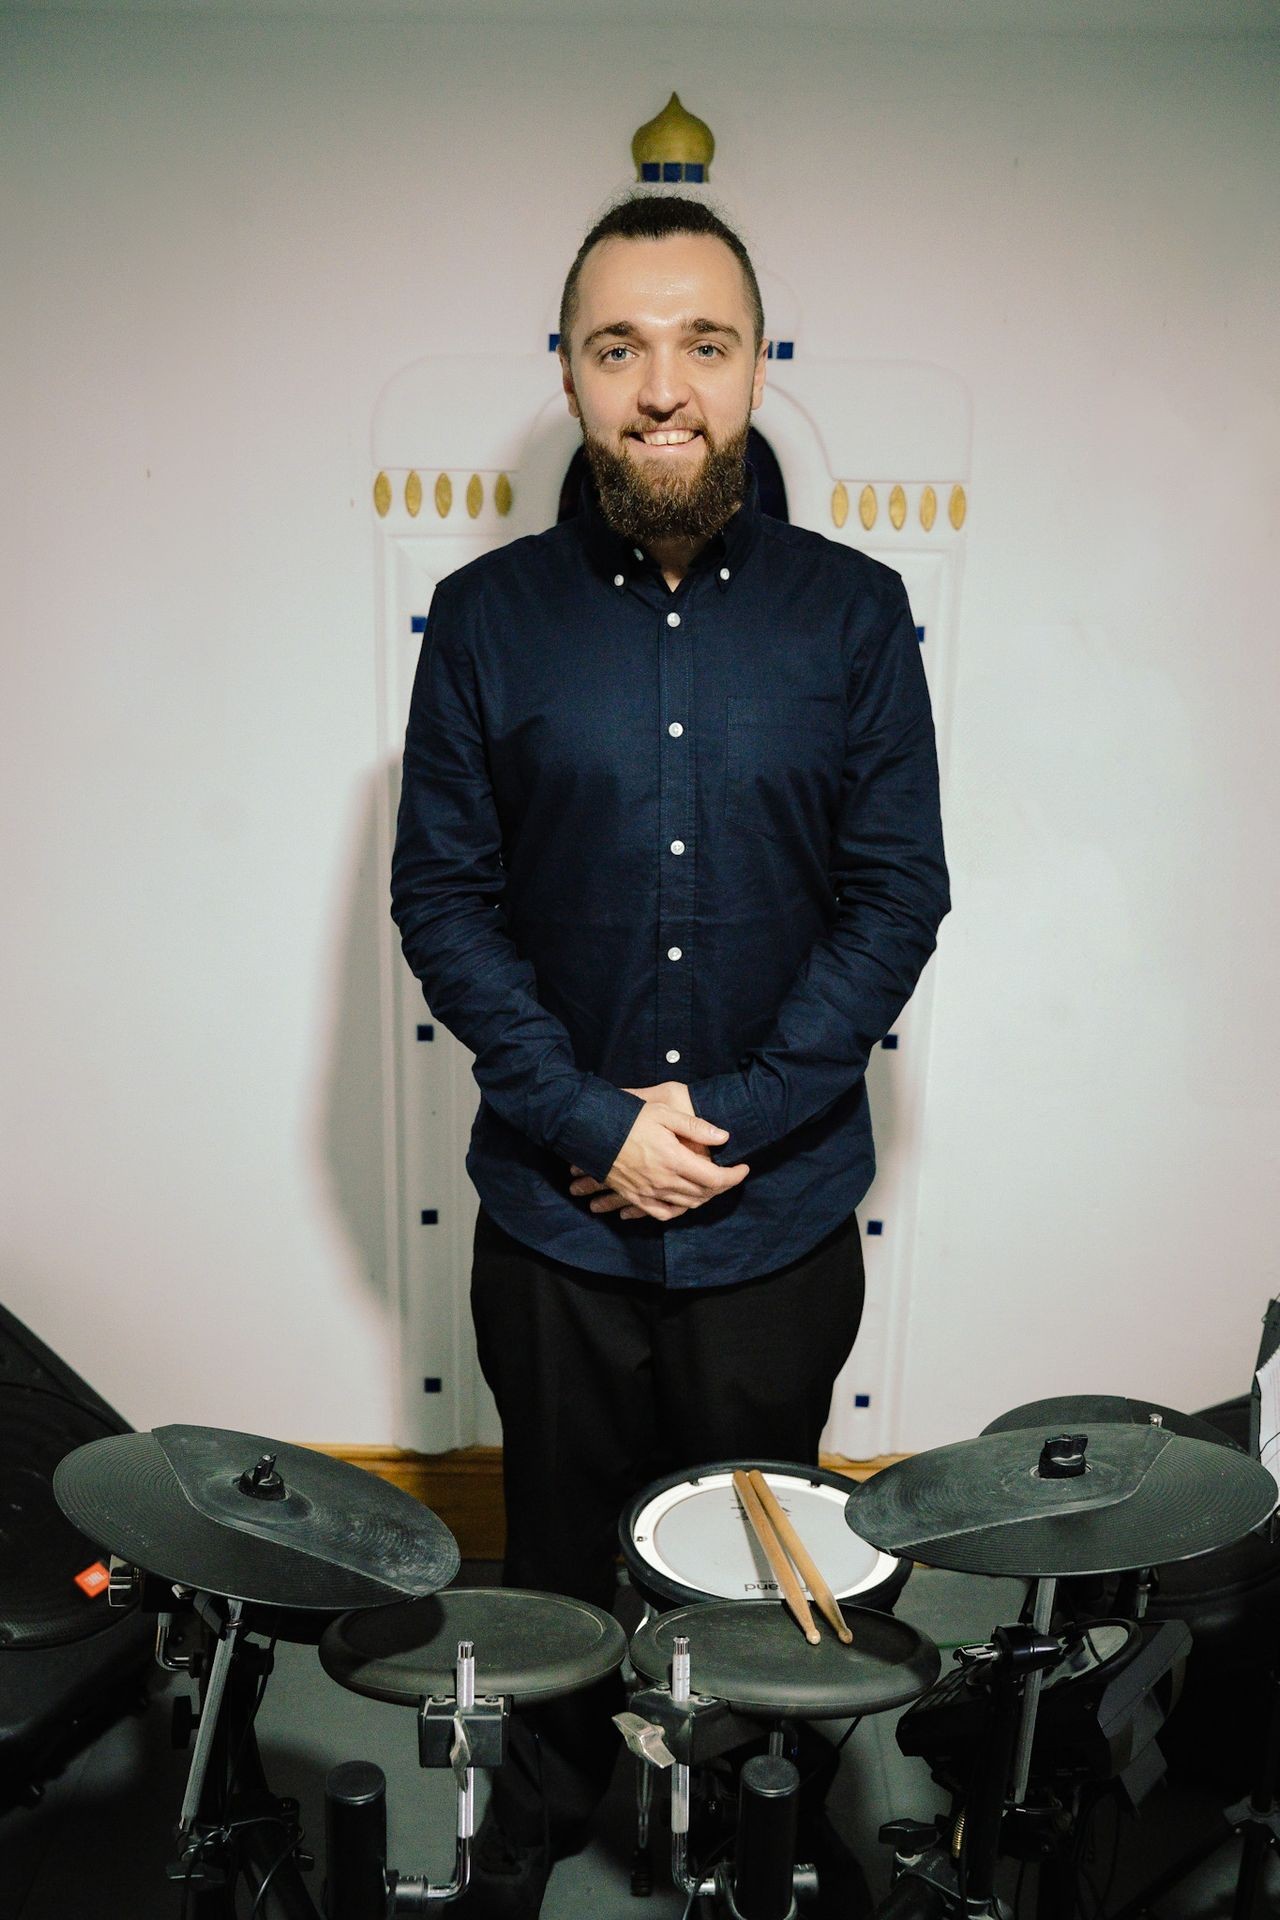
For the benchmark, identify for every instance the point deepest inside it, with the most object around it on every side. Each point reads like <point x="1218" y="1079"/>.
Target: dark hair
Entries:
<point x="655" y="216"/>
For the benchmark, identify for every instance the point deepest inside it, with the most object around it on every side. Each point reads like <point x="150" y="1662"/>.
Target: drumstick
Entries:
<point x="806" y="1566"/>
<point x="791" y="1590"/>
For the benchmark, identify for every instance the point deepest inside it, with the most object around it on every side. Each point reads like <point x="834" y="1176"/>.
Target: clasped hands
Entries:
<point x="664" y="1167"/>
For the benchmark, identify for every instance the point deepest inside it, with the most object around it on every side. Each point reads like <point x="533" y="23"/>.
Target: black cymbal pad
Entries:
<point x="180" y="1503"/>
<point x="1147" y="1496"/>
<point x="1068" y="1411"/>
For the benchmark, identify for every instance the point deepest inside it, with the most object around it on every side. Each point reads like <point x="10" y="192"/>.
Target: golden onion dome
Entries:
<point x="676" y="145"/>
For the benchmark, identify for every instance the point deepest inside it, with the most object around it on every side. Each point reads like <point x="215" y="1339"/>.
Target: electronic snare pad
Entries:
<point x="687" y="1539"/>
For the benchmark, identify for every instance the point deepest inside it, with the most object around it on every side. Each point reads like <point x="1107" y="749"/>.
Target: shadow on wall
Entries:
<point x="355" y="1088"/>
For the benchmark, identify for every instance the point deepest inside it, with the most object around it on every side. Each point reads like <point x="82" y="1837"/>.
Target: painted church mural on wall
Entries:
<point x="873" y="453"/>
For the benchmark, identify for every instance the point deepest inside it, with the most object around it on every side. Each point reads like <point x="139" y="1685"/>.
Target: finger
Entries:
<point x="690" y="1127"/>
<point x="680" y="1193"/>
<point x="609" y="1203"/>
<point x="587" y="1185"/>
<point x="697" y="1169"/>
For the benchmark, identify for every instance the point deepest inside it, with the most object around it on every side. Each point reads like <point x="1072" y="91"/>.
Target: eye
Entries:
<point x="709" y="346"/>
<point x="607" y="355"/>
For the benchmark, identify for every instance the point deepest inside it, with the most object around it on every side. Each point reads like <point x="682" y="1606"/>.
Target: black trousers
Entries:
<point x="603" y="1385"/>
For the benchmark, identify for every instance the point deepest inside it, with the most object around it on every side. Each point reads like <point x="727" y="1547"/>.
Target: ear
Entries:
<point x="566" y="377"/>
<point x="757" y="378"/>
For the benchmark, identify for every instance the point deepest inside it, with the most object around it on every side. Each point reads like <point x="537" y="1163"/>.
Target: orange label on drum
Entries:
<point x="94" y="1580"/>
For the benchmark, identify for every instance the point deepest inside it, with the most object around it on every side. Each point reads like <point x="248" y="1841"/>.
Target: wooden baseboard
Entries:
<point x="465" y="1487"/>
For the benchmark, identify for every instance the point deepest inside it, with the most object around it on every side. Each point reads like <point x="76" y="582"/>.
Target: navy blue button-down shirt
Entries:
<point x="648" y="835"/>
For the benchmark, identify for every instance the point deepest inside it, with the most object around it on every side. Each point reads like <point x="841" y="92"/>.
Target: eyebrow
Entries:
<point x="627" y="330"/>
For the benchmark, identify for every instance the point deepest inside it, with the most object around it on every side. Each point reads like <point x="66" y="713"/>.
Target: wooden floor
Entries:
<point x="465" y="1487"/>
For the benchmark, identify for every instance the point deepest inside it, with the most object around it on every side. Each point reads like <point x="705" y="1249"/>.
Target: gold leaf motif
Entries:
<point x="444" y="494"/>
<point x="382" y="495"/>
<point x="868" y="507"/>
<point x="897" y="507"/>
<point x="475" y="495"/>
<point x="413" y="495"/>
<point x="502" y="494"/>
<point x="928" y="508"/>
<point x="840" y="503"/>
<point x="957" y="508"/>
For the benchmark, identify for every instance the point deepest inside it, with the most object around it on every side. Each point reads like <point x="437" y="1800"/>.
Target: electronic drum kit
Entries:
<point x="235" y="1540"/>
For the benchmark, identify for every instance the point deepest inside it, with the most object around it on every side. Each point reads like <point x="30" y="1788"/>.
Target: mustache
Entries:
<point x="666" y="426"/>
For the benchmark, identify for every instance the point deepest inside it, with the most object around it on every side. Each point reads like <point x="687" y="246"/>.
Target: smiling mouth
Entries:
<point x="667" y="437"/>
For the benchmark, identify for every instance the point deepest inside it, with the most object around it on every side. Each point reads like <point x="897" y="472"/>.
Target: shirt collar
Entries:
<point x="612" y="554"/>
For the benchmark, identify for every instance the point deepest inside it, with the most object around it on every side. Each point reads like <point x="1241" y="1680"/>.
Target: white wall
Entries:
<point x="227" y="236"/>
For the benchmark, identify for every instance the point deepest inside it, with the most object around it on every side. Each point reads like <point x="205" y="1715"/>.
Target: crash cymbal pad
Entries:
<point x="254" y="1519"/>
<point x="1041" y="1503"/>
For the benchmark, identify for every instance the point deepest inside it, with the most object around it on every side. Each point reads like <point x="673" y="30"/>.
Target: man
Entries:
<point x="669" y="862"/>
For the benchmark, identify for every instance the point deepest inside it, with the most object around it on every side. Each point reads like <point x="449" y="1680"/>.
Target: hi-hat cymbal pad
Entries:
<point x="1067" y="1412"/>
<point x="254" y="1519"/>
<point x="1033" y="1502"/>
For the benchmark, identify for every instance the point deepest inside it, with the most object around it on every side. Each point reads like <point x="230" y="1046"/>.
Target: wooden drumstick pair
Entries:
<point x="782" y="1546"/>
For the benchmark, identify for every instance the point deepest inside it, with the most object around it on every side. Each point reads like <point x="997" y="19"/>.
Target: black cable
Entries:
<point x="221" y="1835"/>
<point x="816" y="1769"/>
<point x="289" y="1846"/>
<point x="268" y="1668"/>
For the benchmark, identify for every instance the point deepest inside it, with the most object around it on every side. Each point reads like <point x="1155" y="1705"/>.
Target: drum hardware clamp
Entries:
<point x="668" y="1732"/>
<point x="935" y="1878"/>
<point x="453" y="1735"/>
<point x="460" y="1731"/>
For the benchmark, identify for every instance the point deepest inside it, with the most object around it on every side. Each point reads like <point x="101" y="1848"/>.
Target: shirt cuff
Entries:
<point x="723" y="1099"/>
<point x="592" y="1132"/>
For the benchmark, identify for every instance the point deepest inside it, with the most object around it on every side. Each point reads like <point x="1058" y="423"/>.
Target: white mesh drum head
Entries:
<point x="695" y="1536"/>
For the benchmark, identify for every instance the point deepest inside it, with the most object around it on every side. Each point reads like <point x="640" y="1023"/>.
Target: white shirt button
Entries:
<point x="675" y="953"/>
<point x="724" y="573"/>
<point x="675" y="729"/>
<point x="619" y="579"/>
<point x="673" y="619"/>
<point x="638" y="552"/>
<point x="677" y="846"/>
<point x="673" y="1054"/>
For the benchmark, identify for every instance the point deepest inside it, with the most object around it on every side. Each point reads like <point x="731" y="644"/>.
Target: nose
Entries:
<point x="665" y="387"/>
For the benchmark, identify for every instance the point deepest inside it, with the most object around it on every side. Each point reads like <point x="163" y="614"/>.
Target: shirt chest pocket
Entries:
<point x="782" y="764"/>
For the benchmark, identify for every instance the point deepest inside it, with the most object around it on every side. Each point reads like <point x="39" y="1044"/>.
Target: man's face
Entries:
<point x="662" y="373"/>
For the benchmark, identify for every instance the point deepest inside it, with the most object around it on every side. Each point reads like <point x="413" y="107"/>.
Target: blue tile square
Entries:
<point x="672" y="170"/>
<point x="862" y="1399"/>
<point x="429" y="1033"/>
<point x="553" y="341"/>
<point x="890" y="1042"/>
<point x="786" y="349"/>
<point x="430" y="1216"/>
<point x="920" y="635"/>
<point x="875" y="1227"/>
<point x="418" y="623"/>
<point x="433" y="1384"/>
<point x="650" y="170"/>
<point x="693" y="170"/>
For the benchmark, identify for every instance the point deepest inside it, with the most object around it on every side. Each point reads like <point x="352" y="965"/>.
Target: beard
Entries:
<point x="646" y="507"/>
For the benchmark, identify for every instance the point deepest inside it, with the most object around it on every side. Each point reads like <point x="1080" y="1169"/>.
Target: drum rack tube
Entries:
<point x="681" y="1692"/>
<point x="417" y="1894"/>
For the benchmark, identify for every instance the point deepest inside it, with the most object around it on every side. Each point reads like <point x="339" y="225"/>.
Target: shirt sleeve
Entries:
<point x="890" y="882"/>
<point x="446" y="898"/>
